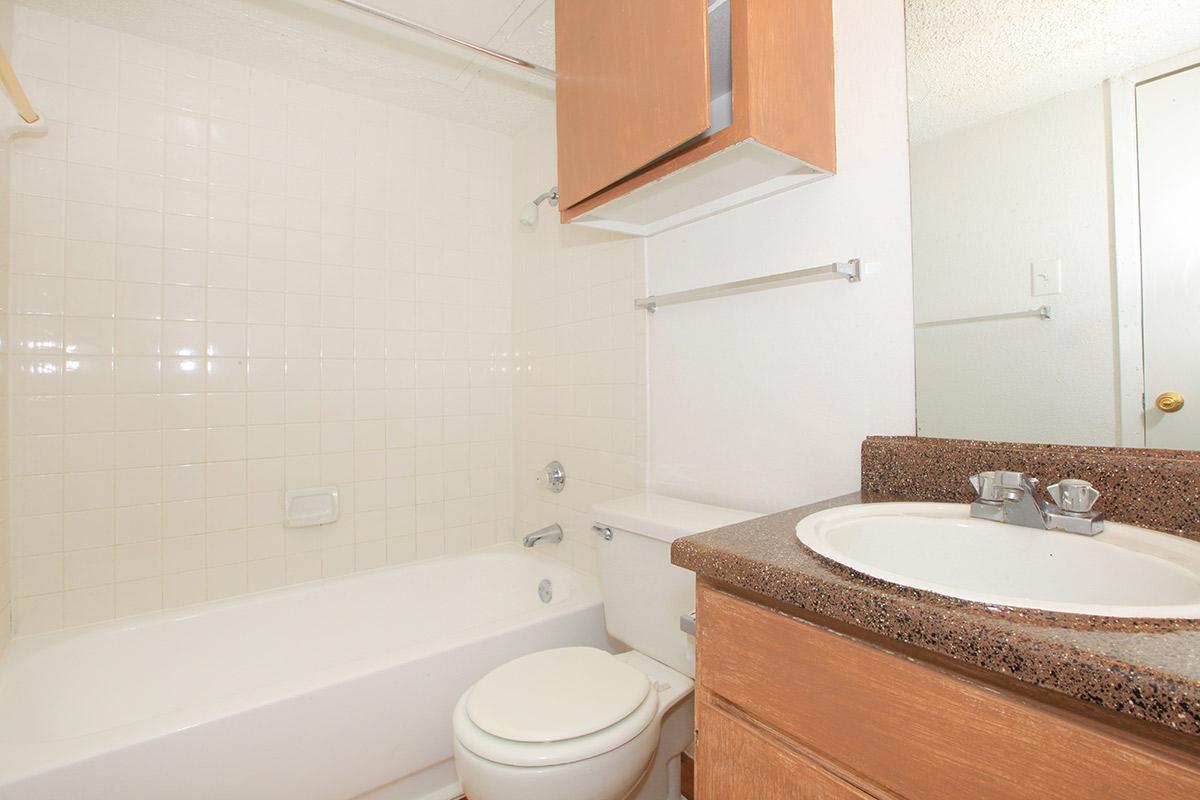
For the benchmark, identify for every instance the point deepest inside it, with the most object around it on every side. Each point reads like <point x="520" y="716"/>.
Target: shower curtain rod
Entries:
<point x="536" y="69"/>
<point x="16" y="92"/>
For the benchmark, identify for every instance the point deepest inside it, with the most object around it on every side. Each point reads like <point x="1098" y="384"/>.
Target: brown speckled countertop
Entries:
<point x="1151" y="673"/>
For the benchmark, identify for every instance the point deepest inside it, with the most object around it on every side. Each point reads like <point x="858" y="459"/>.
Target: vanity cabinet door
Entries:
<point x="916" y="730"/>
<point x="632" y="84"/>
<point x="736" y="760"/>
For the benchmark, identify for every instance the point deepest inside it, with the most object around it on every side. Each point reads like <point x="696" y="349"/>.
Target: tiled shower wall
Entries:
<point x="224" y="284"/>
<point x="580" y="360"/>
<point x="5" y="543"/>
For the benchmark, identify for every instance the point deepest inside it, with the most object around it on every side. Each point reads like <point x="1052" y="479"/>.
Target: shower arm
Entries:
<point x="412" y="25"/>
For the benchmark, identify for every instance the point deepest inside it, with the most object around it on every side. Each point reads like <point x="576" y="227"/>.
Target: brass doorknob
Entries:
<point x="1169" y="402"/>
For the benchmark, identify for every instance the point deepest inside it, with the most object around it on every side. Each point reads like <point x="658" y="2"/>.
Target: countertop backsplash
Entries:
<point x="1158" y="489"/>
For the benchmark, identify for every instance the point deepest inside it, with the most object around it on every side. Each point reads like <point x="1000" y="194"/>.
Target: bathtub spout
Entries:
<point x="551" y="533"/>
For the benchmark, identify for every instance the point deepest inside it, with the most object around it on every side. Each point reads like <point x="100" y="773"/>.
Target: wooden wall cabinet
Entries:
<point x="788" y="709"/>
<point x="672" y="110"/>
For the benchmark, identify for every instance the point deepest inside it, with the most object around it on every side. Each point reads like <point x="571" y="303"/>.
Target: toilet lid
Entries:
<point x="474" y="739"/>
<point x="557" y="694"/>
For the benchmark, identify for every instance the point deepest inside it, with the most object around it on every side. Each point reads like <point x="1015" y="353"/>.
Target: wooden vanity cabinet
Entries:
<point x="674" y="109"/>
<point x="754" y="763"/>
<point x="789" y="709"/>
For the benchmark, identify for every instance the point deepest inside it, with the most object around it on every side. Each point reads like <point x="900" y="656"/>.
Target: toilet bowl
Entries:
<point x="577" y="723"/>
<point x="574" y="723"/>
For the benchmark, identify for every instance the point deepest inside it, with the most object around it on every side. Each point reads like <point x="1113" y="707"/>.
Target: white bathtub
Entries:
<point x="332" y="690"/>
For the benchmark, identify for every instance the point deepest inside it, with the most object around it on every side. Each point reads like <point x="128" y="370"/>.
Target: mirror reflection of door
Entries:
<point x="1168" y="144"/>
<point x="1055" y="163"/>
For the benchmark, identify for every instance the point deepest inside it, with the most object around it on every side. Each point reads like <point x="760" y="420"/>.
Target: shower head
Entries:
<point x="529" y="214"/>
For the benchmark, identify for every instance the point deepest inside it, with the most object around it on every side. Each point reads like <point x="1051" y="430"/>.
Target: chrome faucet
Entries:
<point x="551" y="534"/>
<point x="1012" y="497"/>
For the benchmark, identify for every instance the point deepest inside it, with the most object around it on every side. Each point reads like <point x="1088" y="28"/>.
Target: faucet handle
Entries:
<point x="1000" y="485"/>
<point x="988" y="486"/>
<point x="1074" y="496"/>
<point x="552" y="476"/>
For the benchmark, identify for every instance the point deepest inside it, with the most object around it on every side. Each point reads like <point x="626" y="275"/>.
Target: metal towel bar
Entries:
<point x="1042" y="312"/>
<point x="850" y="271"/>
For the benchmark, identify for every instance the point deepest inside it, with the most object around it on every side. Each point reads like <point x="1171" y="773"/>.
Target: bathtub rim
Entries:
<point x="20" y="760"/>
<point x="18" y="646"/>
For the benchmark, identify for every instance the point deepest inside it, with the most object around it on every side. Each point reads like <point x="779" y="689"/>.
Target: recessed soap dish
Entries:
<point x="303" y="508"/>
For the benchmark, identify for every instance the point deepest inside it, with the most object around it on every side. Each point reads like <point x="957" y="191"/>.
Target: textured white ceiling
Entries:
<point x="325" y="43"/>
<point x="971" y="60"/>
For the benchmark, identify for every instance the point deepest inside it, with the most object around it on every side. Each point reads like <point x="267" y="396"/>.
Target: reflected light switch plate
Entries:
<point x="1046" y="277"/>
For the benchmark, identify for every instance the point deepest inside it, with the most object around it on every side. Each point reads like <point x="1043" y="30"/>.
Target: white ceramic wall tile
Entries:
<point x="214" y="294"/>
<point x="578" y="362"/>
<point x="43" y="536"/>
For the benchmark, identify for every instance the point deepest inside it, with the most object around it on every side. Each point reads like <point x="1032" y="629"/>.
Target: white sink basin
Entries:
<point x="1122" y="572"/>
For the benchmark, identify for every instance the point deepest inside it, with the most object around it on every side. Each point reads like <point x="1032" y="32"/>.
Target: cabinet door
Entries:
<point x="632" y="84"/>
<point x="920" y="731"/>
<point x="736" y="761"/>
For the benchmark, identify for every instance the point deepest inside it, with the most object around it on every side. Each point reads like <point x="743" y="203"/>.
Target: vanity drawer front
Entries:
<point x="915" y="729"/>
<point x="738" y="761"/>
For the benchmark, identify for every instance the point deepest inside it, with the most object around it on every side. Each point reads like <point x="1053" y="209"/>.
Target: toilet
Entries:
<point x="582" y="723"/>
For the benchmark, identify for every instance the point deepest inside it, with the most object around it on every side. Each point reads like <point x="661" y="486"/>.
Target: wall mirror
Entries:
<point x="1055" y="156"/>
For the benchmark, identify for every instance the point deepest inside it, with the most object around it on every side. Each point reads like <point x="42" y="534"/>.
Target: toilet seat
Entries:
<point x="556" y="707"/>
<point x="558" y="694"/>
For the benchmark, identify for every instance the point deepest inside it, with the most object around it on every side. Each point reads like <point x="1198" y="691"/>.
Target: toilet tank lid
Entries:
<point x="664" y="518"/>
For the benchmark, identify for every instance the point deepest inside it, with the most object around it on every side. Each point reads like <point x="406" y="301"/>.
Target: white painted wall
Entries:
<point x="761" y="401"/>
<point x="987" y="202"/>
<point x="579" y="362"/>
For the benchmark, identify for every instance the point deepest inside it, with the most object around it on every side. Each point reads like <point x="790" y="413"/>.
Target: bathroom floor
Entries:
<point x="686" y="774"/>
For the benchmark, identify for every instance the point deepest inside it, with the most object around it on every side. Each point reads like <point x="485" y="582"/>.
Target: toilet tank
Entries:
<point x="644" y="593"/>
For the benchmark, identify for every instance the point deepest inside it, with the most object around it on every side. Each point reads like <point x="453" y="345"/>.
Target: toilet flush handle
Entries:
<point x="687" y="623"/>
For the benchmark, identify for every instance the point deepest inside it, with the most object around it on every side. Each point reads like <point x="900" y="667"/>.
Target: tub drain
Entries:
<point x="546" y="590"/>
